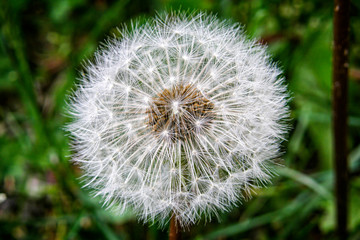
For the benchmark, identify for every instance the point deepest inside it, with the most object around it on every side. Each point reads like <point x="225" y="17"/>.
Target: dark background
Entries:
<point x="43" y="46"/>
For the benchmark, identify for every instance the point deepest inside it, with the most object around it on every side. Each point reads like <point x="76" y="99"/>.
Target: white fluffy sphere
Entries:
<point x="182" y="116"/>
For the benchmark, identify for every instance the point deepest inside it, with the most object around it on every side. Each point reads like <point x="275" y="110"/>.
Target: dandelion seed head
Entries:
<point x="181" y="116"/>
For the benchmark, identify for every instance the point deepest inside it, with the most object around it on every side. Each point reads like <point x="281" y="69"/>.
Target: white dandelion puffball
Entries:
<point x="183" y="116"/>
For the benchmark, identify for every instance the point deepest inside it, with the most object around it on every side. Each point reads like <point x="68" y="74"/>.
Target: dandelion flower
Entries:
<point x="183" y="116"/>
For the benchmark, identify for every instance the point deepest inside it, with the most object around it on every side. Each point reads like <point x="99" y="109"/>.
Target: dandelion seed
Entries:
<point x="183" y="115"/>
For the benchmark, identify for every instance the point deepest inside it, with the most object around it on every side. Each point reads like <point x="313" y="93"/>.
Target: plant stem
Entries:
<point x="174" y="232"/>
<point x="340" y="90"/>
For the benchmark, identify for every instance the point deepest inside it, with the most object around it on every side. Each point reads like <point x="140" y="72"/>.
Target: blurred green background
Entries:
<point x="43" y="45"/>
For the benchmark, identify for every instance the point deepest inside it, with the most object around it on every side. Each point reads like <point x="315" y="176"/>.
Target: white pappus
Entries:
<point x="183" y="116"/>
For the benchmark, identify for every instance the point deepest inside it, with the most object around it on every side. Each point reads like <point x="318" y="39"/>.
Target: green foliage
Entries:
<point x="43" y="44"/>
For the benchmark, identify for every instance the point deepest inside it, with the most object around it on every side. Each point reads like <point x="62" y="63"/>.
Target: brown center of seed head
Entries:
<point x="180" y="112"/>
